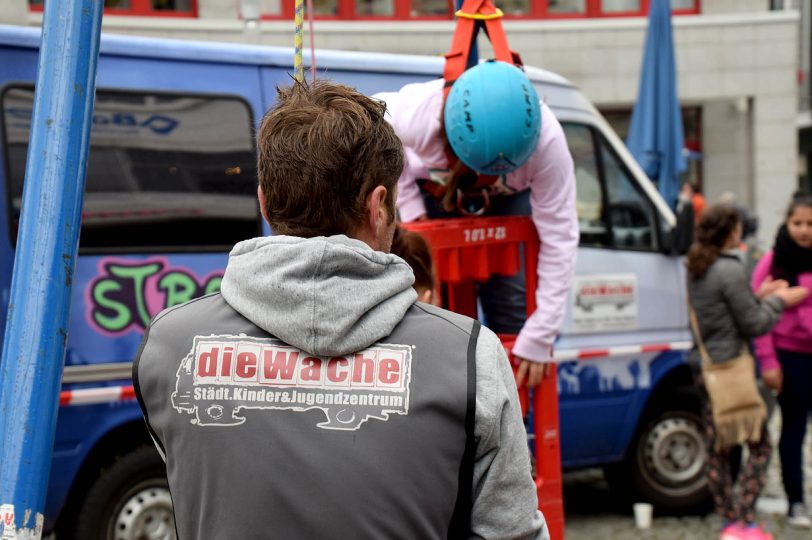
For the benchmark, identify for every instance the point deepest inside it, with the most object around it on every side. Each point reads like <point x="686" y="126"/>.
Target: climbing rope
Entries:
<point x="298" y="66"/>
<point x="298" y="40"/>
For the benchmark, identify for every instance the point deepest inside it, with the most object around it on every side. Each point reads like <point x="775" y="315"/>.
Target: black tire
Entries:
<point x="665" y="464"/>
<point x="128" y="501"/>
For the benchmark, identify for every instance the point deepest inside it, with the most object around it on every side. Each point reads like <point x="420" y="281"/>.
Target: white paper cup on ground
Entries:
<point x="642" y="515"/>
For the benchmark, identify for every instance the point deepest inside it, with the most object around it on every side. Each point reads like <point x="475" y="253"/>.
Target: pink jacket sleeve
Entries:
<point x="552" y="199"/>
<point x="765" y="348"/>
<point x="414" y="112"/>
<point x="410" y="201"/>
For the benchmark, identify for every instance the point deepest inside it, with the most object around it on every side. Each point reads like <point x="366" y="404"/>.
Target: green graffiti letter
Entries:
<point x="213" y="285"/>
<point x="139" y="275"/>
<point x="178" y="287"/>
<point x="122" y="318"/>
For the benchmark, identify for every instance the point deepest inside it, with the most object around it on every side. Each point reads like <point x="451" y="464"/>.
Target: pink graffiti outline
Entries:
<point x="153" y="299"/>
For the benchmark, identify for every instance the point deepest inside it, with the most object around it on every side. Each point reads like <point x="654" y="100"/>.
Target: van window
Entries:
<point x="590" y="202"/>
<point x="612" y="209"/>
<point x="165" y="172"/>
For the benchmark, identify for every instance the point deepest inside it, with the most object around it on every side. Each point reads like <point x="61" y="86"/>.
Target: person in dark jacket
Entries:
<point x="313" y="397"/>
<point x="729" y="315"/>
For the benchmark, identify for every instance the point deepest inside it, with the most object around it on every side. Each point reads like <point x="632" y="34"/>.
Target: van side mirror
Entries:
<point x="666" y="238"/>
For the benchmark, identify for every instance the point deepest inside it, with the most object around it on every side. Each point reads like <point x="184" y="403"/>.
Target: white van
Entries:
<point x="626" y="398"/>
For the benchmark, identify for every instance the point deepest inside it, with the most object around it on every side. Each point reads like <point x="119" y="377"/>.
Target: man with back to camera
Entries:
<point x="313" y="397"/>
<point x="493" y="125"/>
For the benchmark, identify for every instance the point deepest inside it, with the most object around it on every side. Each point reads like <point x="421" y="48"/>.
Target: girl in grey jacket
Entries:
<point x="729" y="315"/>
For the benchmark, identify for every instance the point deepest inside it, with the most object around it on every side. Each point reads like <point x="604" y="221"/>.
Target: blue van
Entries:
<point x="171" y="187"/>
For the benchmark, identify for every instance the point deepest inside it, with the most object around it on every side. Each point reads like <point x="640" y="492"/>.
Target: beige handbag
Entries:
<point x="739" y="411"/>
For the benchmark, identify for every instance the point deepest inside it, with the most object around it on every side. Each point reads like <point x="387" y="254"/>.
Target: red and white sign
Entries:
<point x="223" y="375"/>
<point x="604" y="302"/>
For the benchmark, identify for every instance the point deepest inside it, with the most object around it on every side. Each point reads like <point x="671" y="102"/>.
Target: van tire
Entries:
<point x="129" y="496"/>
<point x="665" y="464"/>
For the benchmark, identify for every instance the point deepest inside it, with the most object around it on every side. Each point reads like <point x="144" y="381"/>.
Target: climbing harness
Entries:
<point x="462" y="189"/>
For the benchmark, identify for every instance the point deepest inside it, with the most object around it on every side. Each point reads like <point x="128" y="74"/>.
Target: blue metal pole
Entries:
<point x="36" y="328"/>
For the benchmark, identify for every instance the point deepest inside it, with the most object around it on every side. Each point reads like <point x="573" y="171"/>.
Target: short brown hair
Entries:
<point x="322" y="149"/>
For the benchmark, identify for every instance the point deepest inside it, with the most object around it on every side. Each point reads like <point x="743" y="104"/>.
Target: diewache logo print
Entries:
<point x="222" y="375"/>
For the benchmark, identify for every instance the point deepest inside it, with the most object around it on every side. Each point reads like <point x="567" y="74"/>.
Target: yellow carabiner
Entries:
<point x="480" y="16"/>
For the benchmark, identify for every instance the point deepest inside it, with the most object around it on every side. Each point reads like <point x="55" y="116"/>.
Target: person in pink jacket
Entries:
<point x="543" y="186"/>
<point x="785" y="354"/>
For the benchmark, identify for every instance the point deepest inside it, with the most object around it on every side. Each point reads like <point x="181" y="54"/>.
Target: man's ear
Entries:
<point x="262" y="207"/>
<point x="377" y="215"/>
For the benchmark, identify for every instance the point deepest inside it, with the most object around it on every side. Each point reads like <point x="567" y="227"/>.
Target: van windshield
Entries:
<point x="165" y="172"/>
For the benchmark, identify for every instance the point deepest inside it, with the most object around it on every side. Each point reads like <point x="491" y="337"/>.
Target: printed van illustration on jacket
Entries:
<point x="223" y="375"/>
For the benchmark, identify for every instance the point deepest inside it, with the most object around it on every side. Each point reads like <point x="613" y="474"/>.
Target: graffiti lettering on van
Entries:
<point x="223" y="375"/>
<point x="127" y="294"/>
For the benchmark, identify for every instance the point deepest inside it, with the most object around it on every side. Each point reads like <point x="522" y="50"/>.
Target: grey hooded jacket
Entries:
<point x="330" y="298"/>
<point x="728" y="312"/>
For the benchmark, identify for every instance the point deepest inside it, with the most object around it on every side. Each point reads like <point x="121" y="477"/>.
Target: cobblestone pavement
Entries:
<point x="592" y="513"/>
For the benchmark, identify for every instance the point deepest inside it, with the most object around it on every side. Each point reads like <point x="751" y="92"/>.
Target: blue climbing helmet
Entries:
<point x="493" y="118"/>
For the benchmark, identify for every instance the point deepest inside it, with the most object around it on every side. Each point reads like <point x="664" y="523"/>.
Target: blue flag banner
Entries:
<point x="656" y="134"/>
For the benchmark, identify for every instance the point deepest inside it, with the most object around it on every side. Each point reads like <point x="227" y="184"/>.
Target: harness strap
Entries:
<point x="473" y="16"/>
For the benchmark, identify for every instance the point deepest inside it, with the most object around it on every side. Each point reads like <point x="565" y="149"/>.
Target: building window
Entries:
<point x="572" y="7"/>
<point x="608" y="8"/>
<point x="326" y="8"/>
<point x="375" y="7"/>
<point x="140" y="8"/>
<point x="515" y="7"/>
<point x="271" y="7"/>
<point x="621" y="6"/>
<point x="431" y="8"/>
<point x="172" y="5"/>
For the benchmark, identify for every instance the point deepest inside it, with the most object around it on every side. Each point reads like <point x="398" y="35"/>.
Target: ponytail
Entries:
<point x="712" y="233"/>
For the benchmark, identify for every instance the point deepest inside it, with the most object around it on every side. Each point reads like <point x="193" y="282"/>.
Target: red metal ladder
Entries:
<point x="468" y="250"/>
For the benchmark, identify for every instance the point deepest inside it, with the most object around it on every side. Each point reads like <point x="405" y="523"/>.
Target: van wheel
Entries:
<point x="129" y="501"/>
<point x="666" y="463"/>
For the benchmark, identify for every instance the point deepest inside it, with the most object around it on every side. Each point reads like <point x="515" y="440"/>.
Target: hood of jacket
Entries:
<point x="328" y="296"/>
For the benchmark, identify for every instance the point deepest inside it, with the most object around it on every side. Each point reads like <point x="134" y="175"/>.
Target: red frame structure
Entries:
<point x="539" y="9"/>
<point x="468" y="250"/>
<point x="143" y="8"/>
